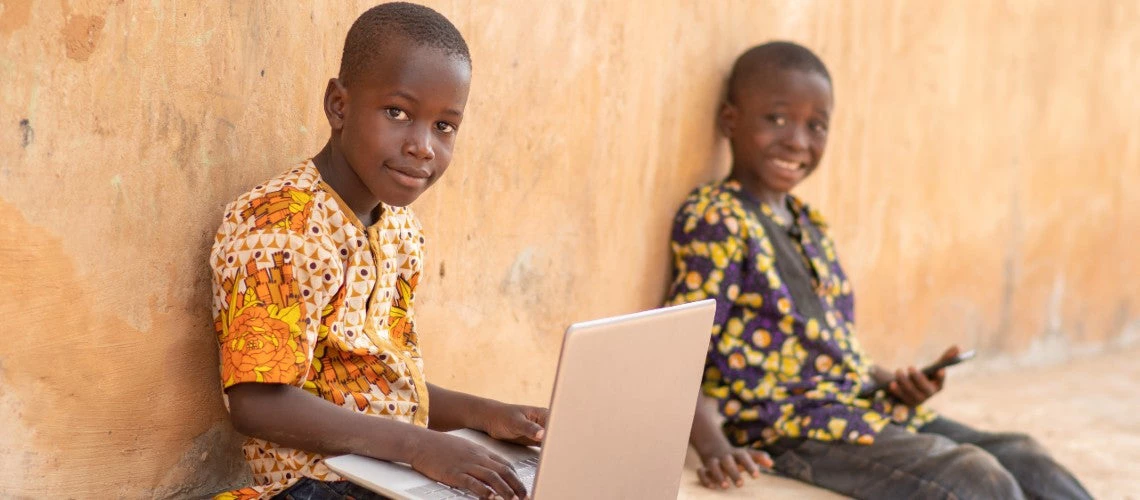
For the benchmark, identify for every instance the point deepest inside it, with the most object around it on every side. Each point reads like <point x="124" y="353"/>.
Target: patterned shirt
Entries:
<point x="775" y="371"/>
<point x="305" y="295"/>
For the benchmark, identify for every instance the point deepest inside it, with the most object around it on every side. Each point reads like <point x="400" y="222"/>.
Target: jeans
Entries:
<point x="945" y="459"/>
<point x="311" y="489"/>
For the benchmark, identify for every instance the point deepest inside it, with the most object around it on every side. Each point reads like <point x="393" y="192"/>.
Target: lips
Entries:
<point x="410" y="171"/>
<point x="409" y="177"/>
<point x="790" y="166"/>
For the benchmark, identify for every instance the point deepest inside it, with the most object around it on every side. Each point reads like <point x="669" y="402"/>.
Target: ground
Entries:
<point x="1086" y="412"/>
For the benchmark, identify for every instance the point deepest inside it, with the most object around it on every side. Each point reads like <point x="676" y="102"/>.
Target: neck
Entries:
<point x="336" y="172"/>
<point x="776" y="200"/>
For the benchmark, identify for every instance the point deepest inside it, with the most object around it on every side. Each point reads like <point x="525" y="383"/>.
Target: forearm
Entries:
<point x="289" y="416"/>
<point x="452" y="410"/>
<point x="880" y="375"/>
<point x="705" y="435"/>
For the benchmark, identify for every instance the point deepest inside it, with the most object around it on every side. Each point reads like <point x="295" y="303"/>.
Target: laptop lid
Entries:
<point x="623" y="403"/>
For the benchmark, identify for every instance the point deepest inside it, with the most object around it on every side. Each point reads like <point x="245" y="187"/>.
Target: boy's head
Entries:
<point x="396" y="106"/>
<point x="776" y="115"/>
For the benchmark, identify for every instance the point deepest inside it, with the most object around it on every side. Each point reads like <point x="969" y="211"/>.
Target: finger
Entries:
<point x="706" y="479"/>
<point x="950" y="353"/>
<point x="538" y="415"/>
<point x="915" y="394"/>
<point x="715" y="473"/>
<point x="531" y="430"/>
<point x="497" y="482"/>
<point x="732" y="470"/>
<point x="502" y="461"/>
<point x="744" y="459"/>
<point x="903" y="387"/>
<point x="475" y="486"/>
<point x="506" y="471"/>
<point x="922" y="383"/>
<point x="762" y="459"/>
<point x="939" y="379"/>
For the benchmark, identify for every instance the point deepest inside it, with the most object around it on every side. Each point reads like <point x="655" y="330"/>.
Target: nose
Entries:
<point x="418" y="145"/>
<point x="796" y="138"/>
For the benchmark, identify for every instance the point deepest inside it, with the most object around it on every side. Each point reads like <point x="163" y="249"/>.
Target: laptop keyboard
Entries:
<point x="438" y="491"/>
<point x="525" y="469"/>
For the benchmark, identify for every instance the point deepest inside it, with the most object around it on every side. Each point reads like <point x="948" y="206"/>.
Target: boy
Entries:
<point x="784" y="365"/>
<point x="315" y="274"/>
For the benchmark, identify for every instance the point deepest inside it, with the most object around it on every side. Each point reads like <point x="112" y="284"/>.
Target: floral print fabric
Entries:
<point x="775" y="372"/>
<point x="305" y="295"/>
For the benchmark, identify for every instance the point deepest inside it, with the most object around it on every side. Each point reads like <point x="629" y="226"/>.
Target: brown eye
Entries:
<point x="396" y="114"/>
<point x="778" y="120"/>
<point x="444" y="127"/>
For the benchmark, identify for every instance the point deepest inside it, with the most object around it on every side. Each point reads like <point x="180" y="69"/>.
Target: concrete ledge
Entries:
<point x="766" y="486"/>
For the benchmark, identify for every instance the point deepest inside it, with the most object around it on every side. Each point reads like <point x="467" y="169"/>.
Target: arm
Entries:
<point x="719" y="458"/>
<point x="456" y="410"/>
<point x="289" y="416"/>
<point x="705" y="435"/>
<point x="693" y="264"/>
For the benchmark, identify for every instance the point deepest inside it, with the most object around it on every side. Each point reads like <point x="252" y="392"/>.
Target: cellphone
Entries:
<point x="929" y="371"/>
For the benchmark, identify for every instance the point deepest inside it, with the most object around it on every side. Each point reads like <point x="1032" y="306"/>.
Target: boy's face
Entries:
<point x="400" y="120"/>
<point x="778" y="128"/>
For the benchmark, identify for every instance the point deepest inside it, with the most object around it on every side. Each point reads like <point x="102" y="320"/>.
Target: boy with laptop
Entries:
<point x="315" y="274"/>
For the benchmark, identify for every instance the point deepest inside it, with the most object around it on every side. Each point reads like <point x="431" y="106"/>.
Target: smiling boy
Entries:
<point x="315" y="275"/>
<point x="784" y="364"/>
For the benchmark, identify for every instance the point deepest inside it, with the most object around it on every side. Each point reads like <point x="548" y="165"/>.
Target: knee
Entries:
<point x="974" y="473"/>
<point x="1024" y="444"/>
<point x="1015" y="448"/>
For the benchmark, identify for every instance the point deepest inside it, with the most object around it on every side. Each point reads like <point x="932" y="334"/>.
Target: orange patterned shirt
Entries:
<point x="305" y="295"/>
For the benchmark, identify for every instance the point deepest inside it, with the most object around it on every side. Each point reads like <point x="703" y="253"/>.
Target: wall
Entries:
<point x="982" y="182"/>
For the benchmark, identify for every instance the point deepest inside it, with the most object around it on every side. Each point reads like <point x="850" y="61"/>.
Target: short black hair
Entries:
<point x="776" y="55"/>
<point x="377" y="28"/>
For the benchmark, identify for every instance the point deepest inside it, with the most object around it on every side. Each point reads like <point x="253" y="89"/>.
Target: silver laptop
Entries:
<point x="620" y="415"/>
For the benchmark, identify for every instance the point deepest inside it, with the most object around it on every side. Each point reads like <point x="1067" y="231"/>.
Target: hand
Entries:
<point x="457" y="462"/>
<point x="913" y="388"/>
<point x="525" y="425"/>
<point x="726" y="464"/>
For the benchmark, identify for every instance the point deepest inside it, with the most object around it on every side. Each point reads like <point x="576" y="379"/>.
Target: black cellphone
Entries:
<point x="929" y="371"/>
<point x="962" y="356"/>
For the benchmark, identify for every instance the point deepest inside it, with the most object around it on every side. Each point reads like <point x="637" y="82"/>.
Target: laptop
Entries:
<point x="620" y="415"/>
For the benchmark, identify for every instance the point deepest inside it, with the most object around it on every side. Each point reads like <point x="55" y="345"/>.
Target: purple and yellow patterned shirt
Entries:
<point x="775" y="371"/>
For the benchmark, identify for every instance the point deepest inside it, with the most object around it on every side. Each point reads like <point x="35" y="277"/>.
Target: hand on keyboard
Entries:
<point x="457" y="462"/>
<point x="525" y="425"/>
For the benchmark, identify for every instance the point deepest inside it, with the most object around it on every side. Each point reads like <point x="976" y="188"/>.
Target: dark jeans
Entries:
<point x="312" y="489"/>
<point x="945" y="459"/>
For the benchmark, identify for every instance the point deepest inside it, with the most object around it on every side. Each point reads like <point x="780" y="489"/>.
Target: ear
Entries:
<point x="726" y="120"/>
<point x="336" y="101"/>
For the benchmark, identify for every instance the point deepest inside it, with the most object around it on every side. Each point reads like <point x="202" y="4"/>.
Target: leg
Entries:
<point x="900" y="464"/>
<point x="1038" y="474"/>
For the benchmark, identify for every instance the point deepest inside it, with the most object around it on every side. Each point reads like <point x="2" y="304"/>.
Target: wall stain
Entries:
<point x="15" y="15"/>
<point x="27" y="134"/>
<point x="81" y="35"/>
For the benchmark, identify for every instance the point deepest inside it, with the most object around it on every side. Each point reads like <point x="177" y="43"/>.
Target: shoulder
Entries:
<point x="288" y="211"/>
<point x="815" y="216"/>
<point x="711" y="208"/>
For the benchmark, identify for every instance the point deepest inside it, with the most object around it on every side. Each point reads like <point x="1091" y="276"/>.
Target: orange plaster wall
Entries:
<point x="982" y="180"/>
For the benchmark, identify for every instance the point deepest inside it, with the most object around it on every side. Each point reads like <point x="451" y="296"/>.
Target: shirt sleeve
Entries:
<point x="266" y="313"/>
<point x="709" y="262"/>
